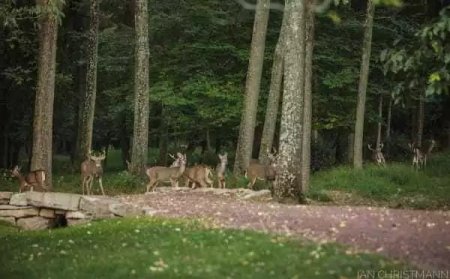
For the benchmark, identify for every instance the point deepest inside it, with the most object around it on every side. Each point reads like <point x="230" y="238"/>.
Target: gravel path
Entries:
<point x="415" y="236"/>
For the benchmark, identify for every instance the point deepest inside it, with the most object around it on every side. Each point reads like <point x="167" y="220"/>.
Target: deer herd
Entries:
<point x="195" y="176"/>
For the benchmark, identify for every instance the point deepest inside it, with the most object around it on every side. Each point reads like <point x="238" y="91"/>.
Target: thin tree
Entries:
<point x="141" y="88"/>
<point x="420" y="119"/>
<point x="362" y="88"/>
<point x="380" y="119"/>
<point x="248" y="121"/>
<point x="273" y="100"/>
<point x="389" y="120"/>
<point x="288" y="182"/>
<point x="307" y="112"/>
<point x="41" y="157"/>
<point x="87" y="103"/>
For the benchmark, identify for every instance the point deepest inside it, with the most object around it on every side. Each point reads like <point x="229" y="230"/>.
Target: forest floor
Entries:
<point x="418" y="237"/>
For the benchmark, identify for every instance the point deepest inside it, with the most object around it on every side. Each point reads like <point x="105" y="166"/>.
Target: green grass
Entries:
<point x="158" y="248"/>
<point x="396" y="185"/>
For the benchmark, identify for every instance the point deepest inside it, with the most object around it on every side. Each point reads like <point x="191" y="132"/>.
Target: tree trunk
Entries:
<point x="380" y="120"/>
<point x="141" y="88"/>
<point x="252" y="86"/>
<point x="45" y="92"/>
<point x="362" y="88"/>
<point x="273" y="100"/>
<point x="288" y="182"/>
<point x="87" y="104"/>
<point x="420" y="120"/>
<point x="389" y="120"/>
<point x="307" y="113"/>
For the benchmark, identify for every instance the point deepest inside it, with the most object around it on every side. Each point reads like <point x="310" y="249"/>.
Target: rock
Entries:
<point x="125" y="210"/>
<point x="18" y="199"/>
<point x="257" y="195"/>
<point x="10" y="220"/>
<point x="74" y="222"/>
<point x="77" y="215"/>
<point x="97" y="206"/>
<point x="4" y="202"/>
<point x="54" y="200"/>
<point x="5" y="195"/>
<point x="17" y="212"/>
<point x="34" y="223"/>
<point x="47" y="213"/>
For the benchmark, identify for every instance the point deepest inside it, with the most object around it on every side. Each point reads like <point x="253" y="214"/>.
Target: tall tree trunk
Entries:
<point x="307" y="113"/>
<point x="362" y="88"/>
<point x="288" y="182"/>
<point x="389" y="120"/>
<point x="87" y="103"/>
<point x="420" y="120"/>
<point x="141" y="88"/>
<point x="380" y="120"/>
<point x="248" y="121"/>
<point x="273" y="100"/>
<point x="45" y="92"/>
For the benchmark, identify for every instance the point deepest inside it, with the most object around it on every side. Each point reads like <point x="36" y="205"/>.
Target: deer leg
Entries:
<point x="101" y="185"/>
<point x="91" y="182"/>
<point x="149" y="185"/>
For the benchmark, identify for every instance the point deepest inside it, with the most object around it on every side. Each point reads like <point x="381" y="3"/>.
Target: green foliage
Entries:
<point x="426" y="61"/>
<point x="160" y="248"/>
<point x="396" y="185"/>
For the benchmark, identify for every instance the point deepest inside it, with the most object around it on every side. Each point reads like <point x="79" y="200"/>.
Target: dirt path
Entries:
<point x="419" y="237"/>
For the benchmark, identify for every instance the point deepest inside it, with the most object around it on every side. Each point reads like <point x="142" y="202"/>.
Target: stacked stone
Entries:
<point x="36" y="210"/>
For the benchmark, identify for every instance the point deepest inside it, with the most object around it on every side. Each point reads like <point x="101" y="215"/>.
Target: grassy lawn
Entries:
<point x="158" y="248"/>
<point x="396" y="185"/>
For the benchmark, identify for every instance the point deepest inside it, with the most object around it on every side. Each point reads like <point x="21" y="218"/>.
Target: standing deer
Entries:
<point x="262" y="171"/>
<point x="220" y="170"/>
<point x="420" y="156"/>
<point x="161" y="174"/>
<point x="377" y="155"/>
<point x="91" y="168"/>
<point x="34" y="180"/>
<point x="198" y="175"/>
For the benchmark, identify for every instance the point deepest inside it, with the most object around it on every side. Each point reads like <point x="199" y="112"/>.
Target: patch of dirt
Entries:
<point x="419" y="237"/>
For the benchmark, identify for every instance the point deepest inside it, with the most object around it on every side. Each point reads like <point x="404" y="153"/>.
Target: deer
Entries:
<point x="261" y="171"/>
<point x="420" y="156"/>
<point x="377" y="154"/>
<point x="220" y="170"/>
<point x="198" y="175"/>
<point x="159" y="174"/>
<point x="91" y="168"/>
<point x="30" y="181"/>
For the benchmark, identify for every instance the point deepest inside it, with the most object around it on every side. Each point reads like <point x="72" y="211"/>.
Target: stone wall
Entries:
<point x="37" y="210"/>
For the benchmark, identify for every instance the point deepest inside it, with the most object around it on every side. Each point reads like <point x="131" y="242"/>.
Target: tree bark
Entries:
<point x="389" y="120"/>
<point x="141" y="88"/>
<point x="307" y="112"/>
<point x="87" y="103"/>
<point x="273" y="100"/>
<point x="252" y="86"/>
<point x="43" y="108"/>
<point x="362" y="88"/>
<point x="380" y="120"/>
<point x="288" y="181"/>
<point x="420" y="120"/>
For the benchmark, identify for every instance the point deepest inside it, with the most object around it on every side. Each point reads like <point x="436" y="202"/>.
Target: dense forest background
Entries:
<point x="199" y="52"/>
